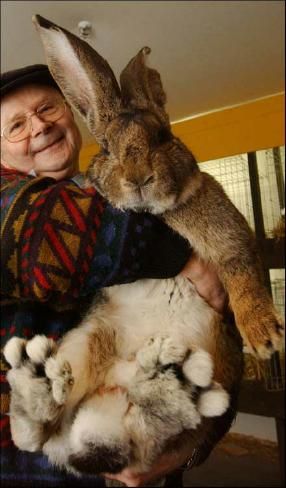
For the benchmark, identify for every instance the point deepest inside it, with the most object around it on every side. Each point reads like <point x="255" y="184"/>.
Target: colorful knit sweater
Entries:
<point x="59" y="244"/>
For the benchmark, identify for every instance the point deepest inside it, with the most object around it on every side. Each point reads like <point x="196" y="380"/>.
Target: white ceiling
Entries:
<point x="211" y="54"/>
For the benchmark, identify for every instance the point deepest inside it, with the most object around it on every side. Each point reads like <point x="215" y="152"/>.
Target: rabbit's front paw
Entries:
<point x="261" y="328"/>
<point x="212" y="399"/>
<point x="160" y="351"/>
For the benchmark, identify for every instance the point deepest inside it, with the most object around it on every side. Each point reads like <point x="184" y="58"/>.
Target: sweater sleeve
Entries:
<point x="59" y="240"/>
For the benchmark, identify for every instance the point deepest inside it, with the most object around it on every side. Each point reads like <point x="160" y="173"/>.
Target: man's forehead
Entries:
<point x="26" y="98"/>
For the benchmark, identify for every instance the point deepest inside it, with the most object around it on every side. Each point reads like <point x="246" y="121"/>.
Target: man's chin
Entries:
<point x="58" y="174"/>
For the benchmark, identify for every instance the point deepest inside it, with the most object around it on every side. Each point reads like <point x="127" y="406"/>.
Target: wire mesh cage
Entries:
<point x="274" y="369"/>
<point x="272" y="182"/>
<point x="233" y="174"/>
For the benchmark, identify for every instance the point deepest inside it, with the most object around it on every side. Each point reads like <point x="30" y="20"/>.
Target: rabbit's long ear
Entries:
<point x="141" y="87"/>
<point x="85" y="78"/>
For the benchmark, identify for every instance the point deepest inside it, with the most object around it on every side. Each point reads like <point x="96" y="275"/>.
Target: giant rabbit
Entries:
<point x="152" y="365"/>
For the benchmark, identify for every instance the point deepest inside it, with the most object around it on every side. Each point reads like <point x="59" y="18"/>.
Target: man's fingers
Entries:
<point x="218" y="302"/>
<point x="127" y="478"/>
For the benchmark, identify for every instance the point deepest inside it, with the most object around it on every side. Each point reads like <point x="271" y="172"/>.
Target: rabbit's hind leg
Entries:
<point x="212" y="398"/>
<point x="160" y="351"/>
<point x="34" y="405"/>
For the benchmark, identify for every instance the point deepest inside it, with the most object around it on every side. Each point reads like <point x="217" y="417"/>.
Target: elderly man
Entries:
<point x="61" y="243"/>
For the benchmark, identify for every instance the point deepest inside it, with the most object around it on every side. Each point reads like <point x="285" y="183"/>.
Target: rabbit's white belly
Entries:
<point x="136" y="312"/>
<point x="171" y="307"/>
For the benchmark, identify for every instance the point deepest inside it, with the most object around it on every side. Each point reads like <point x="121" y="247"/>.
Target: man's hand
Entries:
<point x="164" y="464"/>
<point x="206" y="281"/>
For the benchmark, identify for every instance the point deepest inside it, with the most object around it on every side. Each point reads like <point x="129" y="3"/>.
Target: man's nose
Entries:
<point x="38" y="126"/>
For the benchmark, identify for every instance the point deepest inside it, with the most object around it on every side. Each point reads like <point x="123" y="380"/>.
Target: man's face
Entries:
<point x="52" y="148"/>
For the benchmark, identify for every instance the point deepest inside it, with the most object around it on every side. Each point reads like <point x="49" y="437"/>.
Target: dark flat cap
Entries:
<point x="36" y="73"/>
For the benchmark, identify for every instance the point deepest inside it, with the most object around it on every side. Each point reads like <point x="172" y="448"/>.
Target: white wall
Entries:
<point x="256" y="426"/>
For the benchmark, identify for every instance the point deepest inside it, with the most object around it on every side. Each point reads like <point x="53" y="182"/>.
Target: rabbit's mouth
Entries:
<point x="136" y="203"/>
<point x="141" y="208"/>
<point x="151" y="205"/>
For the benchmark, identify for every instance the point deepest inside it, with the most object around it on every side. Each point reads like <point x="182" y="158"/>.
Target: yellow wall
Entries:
<point x="248" y="127"/>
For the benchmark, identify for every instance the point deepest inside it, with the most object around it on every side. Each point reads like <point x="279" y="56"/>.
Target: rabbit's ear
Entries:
<point x="141" y="87"/>
<point x="85" y="78"/>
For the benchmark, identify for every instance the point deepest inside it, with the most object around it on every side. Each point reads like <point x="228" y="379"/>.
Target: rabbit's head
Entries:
<point x="141" y="164"/>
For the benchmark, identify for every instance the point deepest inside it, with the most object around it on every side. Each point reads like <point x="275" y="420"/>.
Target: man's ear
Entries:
<point x="85" y="78"/>
<point x="141" y="87"/>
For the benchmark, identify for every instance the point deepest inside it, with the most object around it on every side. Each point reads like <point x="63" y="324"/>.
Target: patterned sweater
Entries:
<point x="59" y="244"/>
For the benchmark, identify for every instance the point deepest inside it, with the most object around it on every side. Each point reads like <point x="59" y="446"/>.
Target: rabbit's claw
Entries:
<point x="262" y="331"/>
<point x="60" y="374"/>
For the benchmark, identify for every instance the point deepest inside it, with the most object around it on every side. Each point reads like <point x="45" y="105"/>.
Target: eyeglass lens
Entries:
<point x="20" y="128"/>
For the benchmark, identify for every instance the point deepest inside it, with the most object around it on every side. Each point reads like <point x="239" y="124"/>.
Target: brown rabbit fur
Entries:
<point x="141" y="166"/>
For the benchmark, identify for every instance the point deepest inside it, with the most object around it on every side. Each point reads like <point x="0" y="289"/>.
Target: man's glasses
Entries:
<point x="20" y="128"/>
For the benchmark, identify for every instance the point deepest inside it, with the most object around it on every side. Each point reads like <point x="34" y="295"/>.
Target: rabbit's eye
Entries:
<point x="163" y="136"/>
